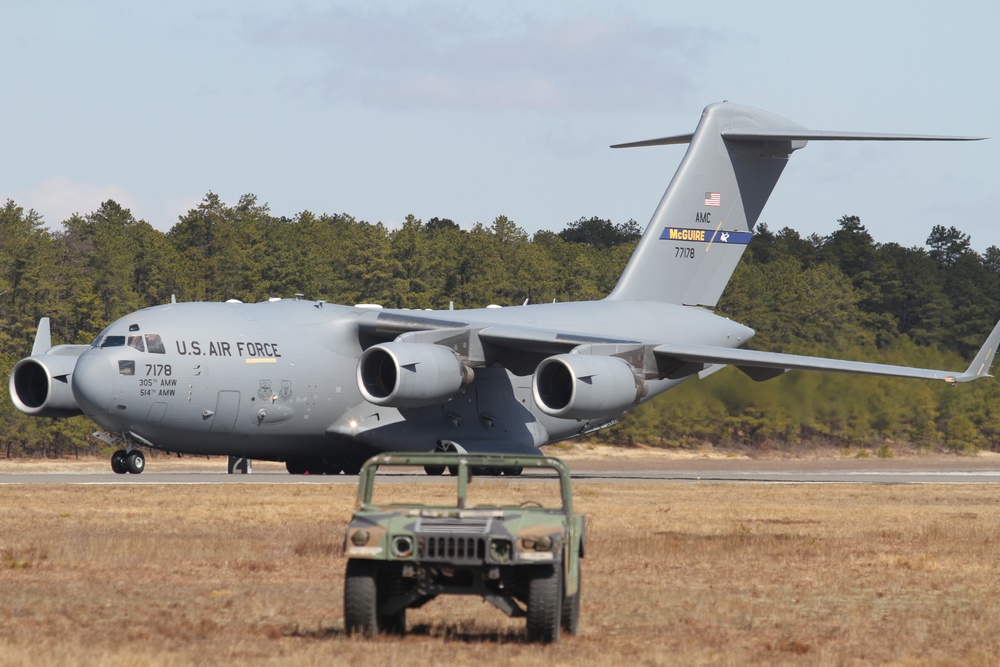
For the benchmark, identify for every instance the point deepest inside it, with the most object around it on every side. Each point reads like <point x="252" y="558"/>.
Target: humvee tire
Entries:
<point x="361" y="598"/>
<point x="544" y="604"/>
<point x="571" y="609"/>
<point x="389" y="583"/>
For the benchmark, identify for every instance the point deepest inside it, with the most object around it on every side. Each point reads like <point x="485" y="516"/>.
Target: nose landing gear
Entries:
<point x="128" y="462"/>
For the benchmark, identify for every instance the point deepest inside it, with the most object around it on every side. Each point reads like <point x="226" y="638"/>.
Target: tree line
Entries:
<point x="836" y="295"/>
<point x="843" y="295"/>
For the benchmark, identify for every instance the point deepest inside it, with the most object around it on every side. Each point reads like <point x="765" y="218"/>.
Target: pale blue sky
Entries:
<point x="473" y="110"/>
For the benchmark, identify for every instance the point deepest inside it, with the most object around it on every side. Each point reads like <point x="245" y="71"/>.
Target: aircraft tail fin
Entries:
<point x="707" y="214"/>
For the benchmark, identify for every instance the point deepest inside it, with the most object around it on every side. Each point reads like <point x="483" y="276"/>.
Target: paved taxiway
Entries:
<point x="786" y="476"/>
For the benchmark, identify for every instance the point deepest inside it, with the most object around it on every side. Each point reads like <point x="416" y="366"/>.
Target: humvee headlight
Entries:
<point x="536" y="549"/>
<point x="402" y="546"/>
<point x="543" y="543"/>
<point x="500" y="550"/>
<point x="360" y="538"/>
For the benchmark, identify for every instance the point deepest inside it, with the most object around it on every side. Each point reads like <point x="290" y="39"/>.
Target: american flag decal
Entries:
<point x="713" y="199"/>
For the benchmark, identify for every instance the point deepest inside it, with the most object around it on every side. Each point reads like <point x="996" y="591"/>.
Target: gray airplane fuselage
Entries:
<point x="277" y="379"/>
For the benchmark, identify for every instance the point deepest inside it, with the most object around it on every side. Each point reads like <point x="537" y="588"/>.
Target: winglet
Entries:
<point x="43" y="338"/>
<point x="980" y="366"/>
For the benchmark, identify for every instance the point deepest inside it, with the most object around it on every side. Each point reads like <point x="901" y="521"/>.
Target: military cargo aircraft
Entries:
<point x="322" y="387"/>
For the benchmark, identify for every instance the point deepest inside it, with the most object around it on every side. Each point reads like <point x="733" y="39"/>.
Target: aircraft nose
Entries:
<point x="93" y="383"/>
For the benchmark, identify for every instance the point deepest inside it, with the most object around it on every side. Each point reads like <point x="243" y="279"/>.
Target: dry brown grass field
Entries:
<point x="701" y="573"/>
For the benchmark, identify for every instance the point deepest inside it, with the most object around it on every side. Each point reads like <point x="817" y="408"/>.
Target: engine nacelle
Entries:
<point x="410" y="375"/>
<point x="40" y="385"/>
<point x="577" y="386"/>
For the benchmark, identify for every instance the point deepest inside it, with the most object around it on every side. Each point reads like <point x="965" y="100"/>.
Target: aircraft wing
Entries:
<point x="545" y="341"/>
<point x="518" y="348"/>
<point x="522" y="348"/>
<point x="513" y="338"/>
<point x="764" y="365"/>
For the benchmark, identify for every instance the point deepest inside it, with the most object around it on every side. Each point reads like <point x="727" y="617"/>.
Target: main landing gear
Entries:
<point x="482" y="472"/>
<point x="449" y="447"/>
<point x="133" y="462"/>
<point x="323" y="466"/>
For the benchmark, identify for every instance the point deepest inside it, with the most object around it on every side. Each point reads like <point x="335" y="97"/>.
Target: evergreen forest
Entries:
<point x="838" y="295"/>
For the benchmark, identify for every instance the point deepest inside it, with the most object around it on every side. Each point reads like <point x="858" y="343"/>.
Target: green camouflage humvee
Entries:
<point x="513" y="539"/>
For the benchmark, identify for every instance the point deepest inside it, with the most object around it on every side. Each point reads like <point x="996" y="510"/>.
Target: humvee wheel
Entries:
<point x="544" y="604"/>
<point x="390" y="582"/>
<point x="361" y="598"/>
<point x="395" y="624"/>
<point x="571" y="608"/>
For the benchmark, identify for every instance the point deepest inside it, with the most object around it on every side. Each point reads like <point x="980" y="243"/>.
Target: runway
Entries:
<point x="581" y="477"/>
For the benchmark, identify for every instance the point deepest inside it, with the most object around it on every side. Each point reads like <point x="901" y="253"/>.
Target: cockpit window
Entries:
<point x="113" y="341"/>
<point x="151" y="343"/>
<point x="136" y="342"/>
<point x="100" y="338"/>
<point x="154" y="344"/>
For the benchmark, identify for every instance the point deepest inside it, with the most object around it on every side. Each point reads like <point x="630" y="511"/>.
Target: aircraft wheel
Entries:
<point x="352" y="467"/>
<point x="118" y="462"/>
<point x="434" y="470"/>
<point x="295" y="466"/>
<point x="513" y="472"/>
<point x="332" y="468"/>
<point x="135" y="462"/>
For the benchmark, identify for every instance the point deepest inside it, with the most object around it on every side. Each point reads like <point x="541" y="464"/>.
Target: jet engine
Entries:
<point x="40" y="385"/>
<point x="576" y="386"/>
<point x="411" y="375"/>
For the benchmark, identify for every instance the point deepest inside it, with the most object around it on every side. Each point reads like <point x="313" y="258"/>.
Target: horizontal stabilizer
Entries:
<point x="803" y="135"/>
<point x="663" y="141"/>
<point x="821" y="135"/>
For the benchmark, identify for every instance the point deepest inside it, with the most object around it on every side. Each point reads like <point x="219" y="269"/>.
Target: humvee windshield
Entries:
<point x="396" y="485"/>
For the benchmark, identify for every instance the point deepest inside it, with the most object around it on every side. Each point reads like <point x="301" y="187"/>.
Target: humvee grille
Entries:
<point x="451" y="547"/>
<point x="479" y="524"/>
<point x="452" y="539"/>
